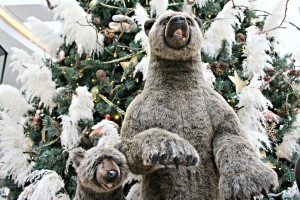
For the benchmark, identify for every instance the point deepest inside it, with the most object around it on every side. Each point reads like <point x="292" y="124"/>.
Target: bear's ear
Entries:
<point x="200" y="24"/>
<point x="76" y="156"/>
<point x="148" y="25"/>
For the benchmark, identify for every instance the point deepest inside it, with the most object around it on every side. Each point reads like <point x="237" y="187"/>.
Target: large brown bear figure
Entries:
<point x="178" y="120"/>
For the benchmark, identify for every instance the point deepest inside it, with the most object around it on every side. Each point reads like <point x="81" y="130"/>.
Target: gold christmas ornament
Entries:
<point x="92" y="3"/>
<point x="238" y="82"/>
<point x="95" y="92"/>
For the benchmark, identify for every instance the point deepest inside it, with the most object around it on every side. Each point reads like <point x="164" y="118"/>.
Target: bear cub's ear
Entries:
<point x="76" y="156"/>
<point x="148" y="25"/>
<point x="200" y="24"/>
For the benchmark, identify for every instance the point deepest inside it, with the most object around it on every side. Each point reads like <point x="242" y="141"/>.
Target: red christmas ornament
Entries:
<point x="37" y="119"/>
<point x="107" y="116"/>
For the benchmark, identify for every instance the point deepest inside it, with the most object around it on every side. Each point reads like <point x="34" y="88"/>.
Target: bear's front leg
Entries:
<point x="155" y="148"/>
<point x="242" y="174"/>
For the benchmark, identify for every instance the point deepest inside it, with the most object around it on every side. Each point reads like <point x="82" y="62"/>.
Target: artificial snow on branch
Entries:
<point x="251" y="103"/>
<point x="14" y="162"/>
<point x="45" y="35"/>
<point x="76" y="26"/>
<point x="159" y="7"/>
<point x="44" y="184"/>
<point x="255" y="50"/>
<point x="290" y="143"/>
<point x="222" y="28"/>
<point x="13" y="102"/>
<point x="36" y="79"/>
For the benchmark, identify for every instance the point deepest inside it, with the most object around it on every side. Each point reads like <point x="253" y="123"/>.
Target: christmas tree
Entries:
<point x="96" y="66"/>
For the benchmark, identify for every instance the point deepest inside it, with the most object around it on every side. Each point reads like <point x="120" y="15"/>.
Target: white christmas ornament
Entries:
<point x="13" y="161"/>
<point x="46" y="185"/>
<point x="257" y="59"/>
<point x="221" y="29"/>
<point x="77" y="26"/>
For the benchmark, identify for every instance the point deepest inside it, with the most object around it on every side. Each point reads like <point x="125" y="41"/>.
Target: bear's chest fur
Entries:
<point x="181" y="112"/>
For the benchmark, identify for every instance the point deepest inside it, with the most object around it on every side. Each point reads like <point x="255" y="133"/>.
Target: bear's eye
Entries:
<point x="189" y="22"/>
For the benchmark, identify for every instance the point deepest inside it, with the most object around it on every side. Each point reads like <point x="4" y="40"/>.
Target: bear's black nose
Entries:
<point x="112" y="174"/>
<point x="178" y="19"/>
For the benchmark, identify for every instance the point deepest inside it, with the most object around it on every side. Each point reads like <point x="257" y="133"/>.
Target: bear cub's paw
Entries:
<point x="169" y="153"/>
<point x="257" y="179"/>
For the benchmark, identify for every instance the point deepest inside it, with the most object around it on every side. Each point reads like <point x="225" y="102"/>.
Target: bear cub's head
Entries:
<point x="100" y="169"/>
<point x="174" y="35"/>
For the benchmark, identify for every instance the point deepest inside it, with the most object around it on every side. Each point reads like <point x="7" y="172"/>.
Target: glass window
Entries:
<point x="3" y="56"/>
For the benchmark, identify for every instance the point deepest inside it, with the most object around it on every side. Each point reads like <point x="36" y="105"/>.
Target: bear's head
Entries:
<point x="174" y="35"/>
<point x="100" y="169"/>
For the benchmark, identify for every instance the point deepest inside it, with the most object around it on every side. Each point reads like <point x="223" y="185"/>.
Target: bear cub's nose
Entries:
<point x="178" y="19"/>
<point x="112" y="175"/>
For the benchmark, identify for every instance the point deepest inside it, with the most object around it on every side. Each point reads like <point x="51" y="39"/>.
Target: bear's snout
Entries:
<point x="108" y="174"/>
<point x="177" y="31"/>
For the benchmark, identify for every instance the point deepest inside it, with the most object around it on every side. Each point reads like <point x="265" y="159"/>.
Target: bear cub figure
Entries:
<point x="179" y="121"/>
<point x="101" y="172"/>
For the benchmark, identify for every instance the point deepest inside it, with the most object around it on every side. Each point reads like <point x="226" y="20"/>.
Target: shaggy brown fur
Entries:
<point x="95" y="168"/>
<point x="178" y="119"/>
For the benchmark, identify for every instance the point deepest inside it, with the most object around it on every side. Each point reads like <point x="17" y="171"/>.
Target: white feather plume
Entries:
<point x="291" y="192"/>
<point x="81" y="105"/>
<point x="208" y="75"/>
<point x="46" y="35"/>
<point x="45" y="184"/>
<point x="221" y="29"/>
<point x="70" y="136"/>
<point x="159" y="6"/>
<point x="13" y="102"/>
<point x="143" y="66"/>
<point x="109" y="133"/>
<point x="13" y="161"/>
<point x="257" y="59"/>
<point x="140" y="15"/>
<point x="77" y="28"/>
<point x="201" y="3"/>
<point x="274" y="20"/>
<point x="252" y="102"/>
<point x="36" y="78"/>
<point x="188" y="9"/>
<point x="290" y="144"/>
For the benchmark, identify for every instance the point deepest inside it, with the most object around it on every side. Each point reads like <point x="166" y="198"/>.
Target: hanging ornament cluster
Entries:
<point x="122" y="23"/>
<point x="219" y="68"/>
<point x="109" y="36"/>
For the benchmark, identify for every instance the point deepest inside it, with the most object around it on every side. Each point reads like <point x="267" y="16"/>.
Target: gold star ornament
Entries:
<point x="238" y="82"/>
